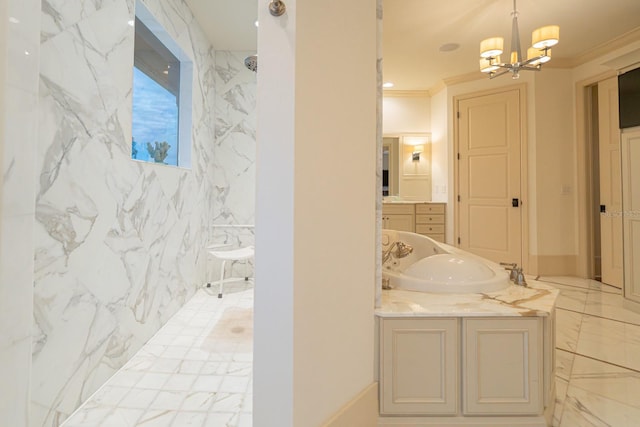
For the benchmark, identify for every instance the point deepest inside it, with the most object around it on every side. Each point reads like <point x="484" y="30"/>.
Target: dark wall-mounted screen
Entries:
<point x="629" y="98"/>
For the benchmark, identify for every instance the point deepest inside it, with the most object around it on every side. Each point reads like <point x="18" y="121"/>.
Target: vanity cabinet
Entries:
<point x="467" y="367"/>
<point x="399" y="217"/>
<point x="423" y="218"/>
<point x="502" y="368"/>
<point x="419" y="361"/>
<point x="430" y="220"/>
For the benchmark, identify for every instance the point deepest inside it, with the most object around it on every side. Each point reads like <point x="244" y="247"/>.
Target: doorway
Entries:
<point x="603" y="160"/>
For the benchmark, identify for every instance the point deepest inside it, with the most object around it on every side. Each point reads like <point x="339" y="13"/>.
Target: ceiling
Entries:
<point x="414" y="31"/>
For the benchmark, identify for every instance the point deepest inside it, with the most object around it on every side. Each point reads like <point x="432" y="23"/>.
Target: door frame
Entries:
<point x="585" y="153"/>
<point x="524" y="166"/>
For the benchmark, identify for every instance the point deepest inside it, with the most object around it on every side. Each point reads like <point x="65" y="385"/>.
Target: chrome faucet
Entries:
<point x="520" y="280"/>
<point x="397" y="250"/>
<point x="516" y="275"/>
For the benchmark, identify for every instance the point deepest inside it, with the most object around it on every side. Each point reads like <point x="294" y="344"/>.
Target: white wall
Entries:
<point x="315" y="212"/>
<point x="408" y="112"/>
<point x="555" y="177"/>
<point x="18" y="135"/>
<point x="439" y="147"/>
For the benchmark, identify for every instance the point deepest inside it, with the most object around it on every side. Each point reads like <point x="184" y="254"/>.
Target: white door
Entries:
<point x="631" y="186"/>
<point x="489" y="176"/>
<point x="610" y="183"/>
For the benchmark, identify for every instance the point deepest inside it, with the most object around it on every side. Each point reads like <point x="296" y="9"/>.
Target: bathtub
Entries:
<point x="439" y="268"/>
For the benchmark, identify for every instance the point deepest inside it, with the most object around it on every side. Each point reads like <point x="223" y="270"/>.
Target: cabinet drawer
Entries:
<point x="397" y="208"/>
<point x="429" y="219"/>
<point x="427" y="208"/>
<point x="429" y="229"/>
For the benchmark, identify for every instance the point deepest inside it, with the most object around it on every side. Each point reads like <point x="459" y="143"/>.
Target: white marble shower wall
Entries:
<point x="118" y="243"/>
<point x="20" y="36"/>
<point x="234" y="156"/>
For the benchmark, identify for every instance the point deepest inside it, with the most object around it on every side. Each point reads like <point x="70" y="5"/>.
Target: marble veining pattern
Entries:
<point x="19" y="118"/>
<point x="234" y="158"/>
<point x="379" y="130"/>
<point x="196" y="371"/>
<point x="597" y="375"/>
<point x="538" y="299"/>
<point x="118" y="243"/>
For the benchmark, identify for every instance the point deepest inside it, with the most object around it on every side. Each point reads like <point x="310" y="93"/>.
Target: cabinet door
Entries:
<point x="400" y="222"/>
<point x="631" y="218"/>
<point x="419" y="359"/>
<point x="502" y="372"/>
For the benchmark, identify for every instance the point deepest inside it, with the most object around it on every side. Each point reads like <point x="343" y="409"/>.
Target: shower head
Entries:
<point x="251" y="62"/>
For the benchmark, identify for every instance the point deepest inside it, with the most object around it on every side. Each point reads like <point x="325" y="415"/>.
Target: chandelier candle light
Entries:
<point x="542" y="40"/>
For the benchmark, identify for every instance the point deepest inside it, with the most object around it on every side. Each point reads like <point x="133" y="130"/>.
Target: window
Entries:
<point x="162" y="76"/>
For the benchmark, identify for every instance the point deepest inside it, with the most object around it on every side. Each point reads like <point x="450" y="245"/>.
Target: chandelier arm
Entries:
<point x="494" y="74"/>
<point x="530" y="60"/>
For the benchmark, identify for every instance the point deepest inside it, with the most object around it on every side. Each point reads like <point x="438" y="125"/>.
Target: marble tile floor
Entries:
<point x="597" y="356"/>
<point x="196" y="371"/>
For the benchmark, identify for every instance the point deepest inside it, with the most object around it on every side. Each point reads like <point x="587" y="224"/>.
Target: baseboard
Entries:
<point x="556" y="265"/>
<point x="361" y="411"/>
<point x="631" y="305"/>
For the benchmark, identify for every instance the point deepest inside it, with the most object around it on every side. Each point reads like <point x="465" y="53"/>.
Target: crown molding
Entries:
<point x="433" y="90"/>
<point x="463" y="78"/>
<point x="406" y="93"/>
<point x="607" y="47"/>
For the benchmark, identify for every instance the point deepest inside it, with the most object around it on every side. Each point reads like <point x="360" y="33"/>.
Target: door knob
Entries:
<point x="515" y="203"/>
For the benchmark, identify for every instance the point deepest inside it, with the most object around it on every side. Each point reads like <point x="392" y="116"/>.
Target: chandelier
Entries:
<point x="539" y="53"/>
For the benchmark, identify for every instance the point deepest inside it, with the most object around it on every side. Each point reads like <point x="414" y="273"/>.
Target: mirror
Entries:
<point x="406" y="167"/>
<point x="390" y="166"/>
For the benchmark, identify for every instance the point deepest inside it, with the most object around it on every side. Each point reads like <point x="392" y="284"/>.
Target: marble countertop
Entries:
<point x="538" y="299"/>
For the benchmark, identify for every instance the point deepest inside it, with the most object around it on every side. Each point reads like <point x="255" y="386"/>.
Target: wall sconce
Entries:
<point x="415" y="155"/>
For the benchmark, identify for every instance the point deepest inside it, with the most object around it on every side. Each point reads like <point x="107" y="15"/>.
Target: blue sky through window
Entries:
<point x="155" y="118"/>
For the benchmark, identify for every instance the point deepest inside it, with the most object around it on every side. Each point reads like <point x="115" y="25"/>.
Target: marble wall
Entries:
<point x="118" y="243"/>
<point x="19" y="44"/>
<point x="379" y="14"/>
<point x="234" y="155"/>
